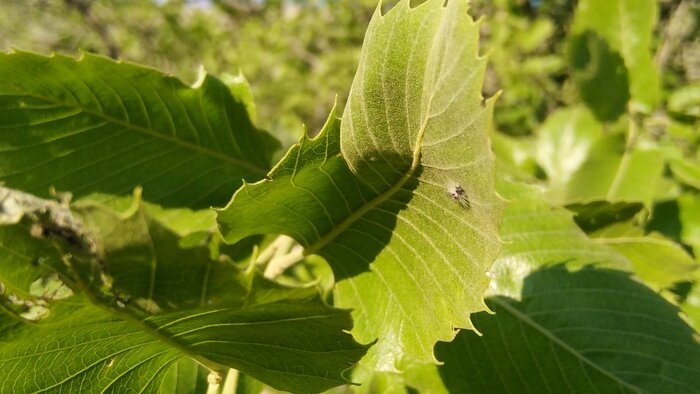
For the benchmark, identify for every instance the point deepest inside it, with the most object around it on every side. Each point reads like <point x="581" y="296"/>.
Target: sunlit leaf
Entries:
<point x="615" y="173"/>
<point x="401" y="200"/>
<point x="600" y="75"/>
<point x="687" y="171"/>
<point x="564" y="143"/>
<point x="689" y="206"/>
<point x="537" y="235"/>
<point x="691" y="305"/>
<point x="656" y="259"/>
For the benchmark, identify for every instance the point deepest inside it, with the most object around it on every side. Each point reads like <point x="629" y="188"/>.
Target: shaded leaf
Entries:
<point x="599" y="214"/>
<point x="23" y="260"/>
<point x="148" y="303"/>
<point x="247" y="385"/>
<point x="665" y="219"/>
<point x="586" y="331"/>
<point x="600" y="75"/>
<point x="288" y="343"/>
<point x="95" y="125"/>
<point x="185" y="376"/>
<point x="537" y="235"/>
<point x="627" y="27"/>
<point x="373" y="199"/>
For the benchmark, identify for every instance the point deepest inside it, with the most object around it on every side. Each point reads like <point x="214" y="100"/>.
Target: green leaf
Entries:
<point x="594" y="330"/>
<point x="564" y="143"/>
<point x="23" y="260"/>
<point x="417" y="378"/>
<point x="627" y="27"/>
<point x="182" y="221"/>
<point x="599" y="214"/>
<point x="148" y="302"/>
<point x="95" y="125"/>
<point x="599" y="74"/>
<point x="185" y="376"/>
<point x="537" y="235"/>
<point x="657" y="260"/>
<point x="691" y="305"/>
<point x="373" y="199"/>
<point x="686" y="101"/>
<point x="514" y="156"/>
<point x="378" y="382"/>
<point x="294" y="344"/>
<point x="247" y="385"/>
<point x="689" y="205"/>
<point x="686" y="170"/>
<point x="614" y="173"/>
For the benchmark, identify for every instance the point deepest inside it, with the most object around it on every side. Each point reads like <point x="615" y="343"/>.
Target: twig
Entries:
<point x="278" y="265"/>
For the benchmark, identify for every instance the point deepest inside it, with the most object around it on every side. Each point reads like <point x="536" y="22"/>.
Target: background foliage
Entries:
<point x="597" y="143"/>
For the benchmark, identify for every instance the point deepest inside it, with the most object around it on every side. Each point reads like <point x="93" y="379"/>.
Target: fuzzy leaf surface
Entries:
<point x="371" y="195"/>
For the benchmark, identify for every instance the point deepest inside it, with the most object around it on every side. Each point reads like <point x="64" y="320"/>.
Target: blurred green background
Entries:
<point x="298" y="55"/>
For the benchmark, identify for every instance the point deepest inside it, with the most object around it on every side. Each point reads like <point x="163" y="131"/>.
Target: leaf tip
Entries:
<point x="378" y="10"/>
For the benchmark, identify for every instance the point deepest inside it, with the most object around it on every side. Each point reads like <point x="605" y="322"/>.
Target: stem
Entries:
<point x="231" y="382"/>
<point x="280" y="246"/>
<point x="279" y="264"/>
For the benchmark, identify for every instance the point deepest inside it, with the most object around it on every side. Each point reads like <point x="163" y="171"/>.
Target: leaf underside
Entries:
<point x="377" y="196"/>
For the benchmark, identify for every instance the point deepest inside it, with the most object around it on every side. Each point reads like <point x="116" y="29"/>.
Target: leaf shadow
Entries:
<point x="370" y="235"/>
<point x="600" y="74"/>
<point x="594" y="323"/>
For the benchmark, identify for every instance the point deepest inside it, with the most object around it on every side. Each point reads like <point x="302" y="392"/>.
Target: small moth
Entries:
<point x="458" y="194"/>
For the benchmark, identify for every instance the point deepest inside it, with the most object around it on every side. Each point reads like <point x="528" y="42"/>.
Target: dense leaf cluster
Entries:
<point x="413" y="243"/>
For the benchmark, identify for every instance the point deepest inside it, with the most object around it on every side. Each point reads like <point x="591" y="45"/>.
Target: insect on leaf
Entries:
<point x="373" y="196"/>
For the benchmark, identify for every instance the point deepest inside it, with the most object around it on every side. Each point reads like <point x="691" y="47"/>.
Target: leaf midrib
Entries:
<point x="563" y="345"/>
<point x="153" y="133"/>
<point x="384" y="196"/>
